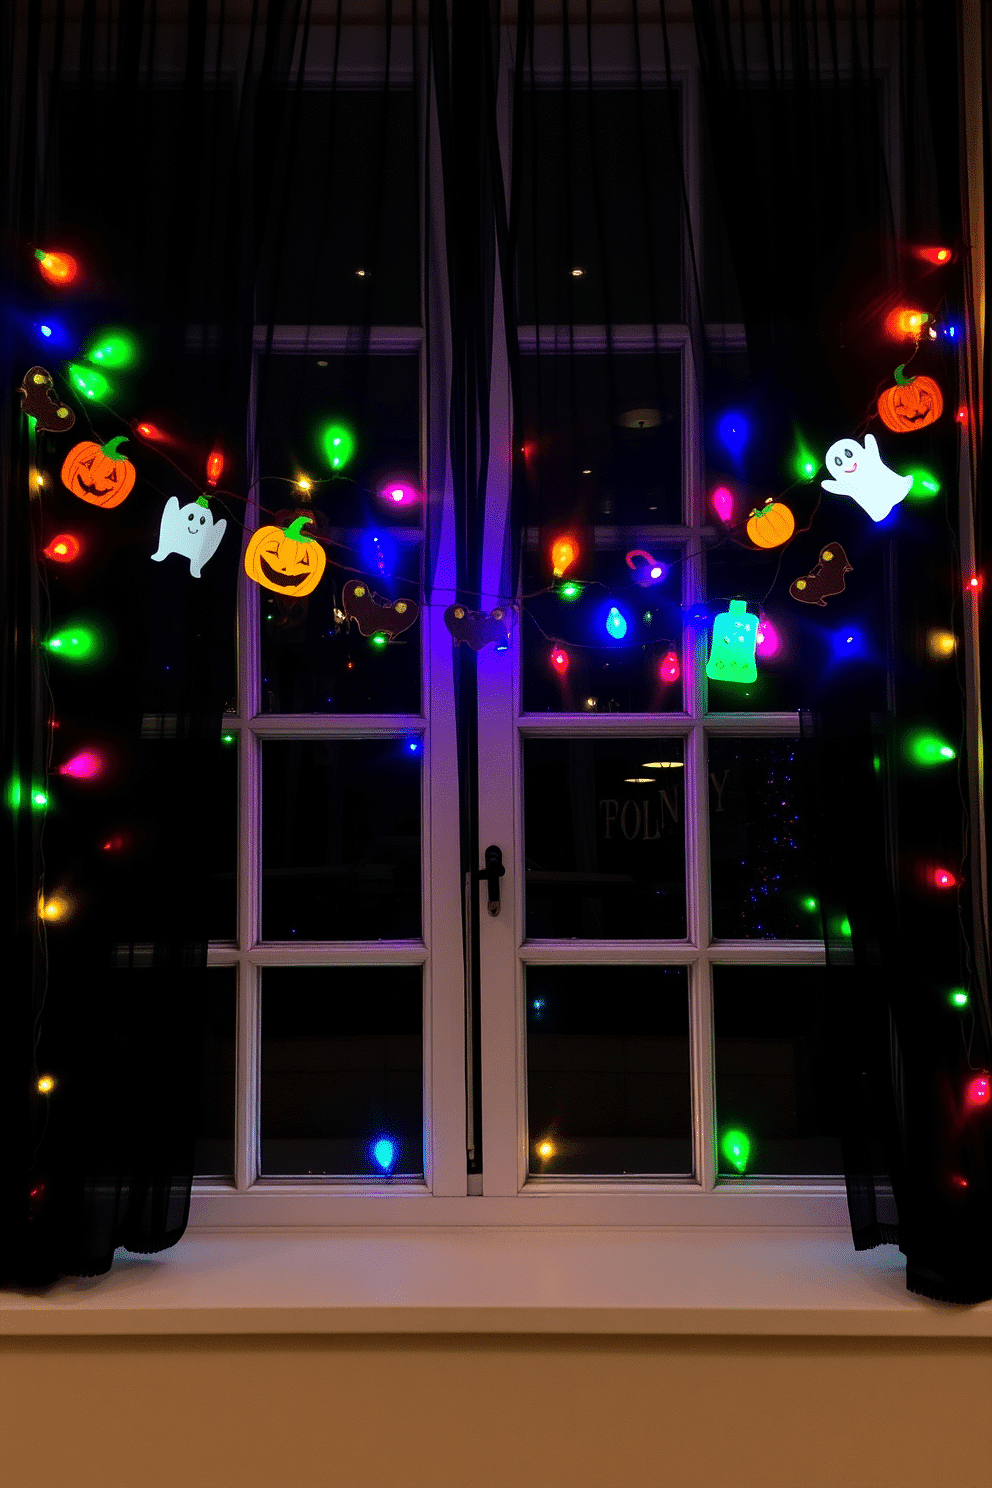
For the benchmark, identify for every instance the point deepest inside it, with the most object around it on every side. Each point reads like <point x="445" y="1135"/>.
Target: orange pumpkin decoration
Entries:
<point x="285" y="560"/>
<point x="97" y="473"/>
<point x="913" y="403"/>
<point x="770" y="527"/>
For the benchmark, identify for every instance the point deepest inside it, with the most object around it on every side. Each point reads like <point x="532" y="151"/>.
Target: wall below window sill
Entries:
<point x="494" y="1280"/>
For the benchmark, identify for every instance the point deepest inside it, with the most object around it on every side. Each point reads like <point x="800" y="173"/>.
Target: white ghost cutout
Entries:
<point x="859" y="473"/>
<point x="191" y="531"/>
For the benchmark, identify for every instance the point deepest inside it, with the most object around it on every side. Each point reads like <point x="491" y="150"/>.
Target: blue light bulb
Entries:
<point x="384" y="1153"/>
<point x="616" y="625"/>
<point x="732" y="432"/>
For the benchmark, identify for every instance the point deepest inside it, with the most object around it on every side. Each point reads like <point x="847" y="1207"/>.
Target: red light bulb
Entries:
<point x="149" y="431"/>
<point x="669" y="669"/>
<point x="57" y="268"/>
<point x="977" y="1090"/>
<point x="906" y="322"/>
<point x="961" y="417"/>
<point x="63" y="548"/>
<point x="934" y="255"/>
<point x="943" y="878"/>
<point x="215" y="466"/>
<point x="559" y="659"/>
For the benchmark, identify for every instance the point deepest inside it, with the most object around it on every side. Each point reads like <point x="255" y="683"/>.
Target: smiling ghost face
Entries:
<point x="843" y="458"/>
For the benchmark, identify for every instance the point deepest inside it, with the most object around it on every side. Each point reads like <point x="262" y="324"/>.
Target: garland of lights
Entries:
<point x="291" y="561"/>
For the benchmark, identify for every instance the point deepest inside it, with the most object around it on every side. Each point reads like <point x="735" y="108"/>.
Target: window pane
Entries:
<point x="602" y="442"/>
<point x="599" y="192"/>
<point x="342" y="1070"/>
<point x="341" y="839"/>
<point x="571" y="661"/>
<point x="604" y="838"/>
<point x="763" y="879"/>
<point x="774" y="1079"/>
<point x="314" y="661"/>
<point x="608" y="1069"/>
<point x="342" y="173"/>
<point x="223" y="885"/>
<point x="214" y="1154"/>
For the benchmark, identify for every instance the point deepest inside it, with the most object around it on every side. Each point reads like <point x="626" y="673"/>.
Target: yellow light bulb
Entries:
<point x="545" y="1149"/>
<point x="941" y="643"/>
<point x="563" y="555"/>
<point x="304" y="483"/>
<point x="45" y="1085"/>
<point x="52" y="909"/>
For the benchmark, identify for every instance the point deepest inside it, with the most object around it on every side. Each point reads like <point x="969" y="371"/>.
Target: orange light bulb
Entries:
<point x="57" y="268"/>
<point x="215" y="466"/>
<point x="563" y="555"/>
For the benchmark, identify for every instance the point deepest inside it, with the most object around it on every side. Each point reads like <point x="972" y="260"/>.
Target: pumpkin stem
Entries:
<point x="901" y="380"/>
<point x="112" y="447"/>
<point x="295" y="529"/>
<point x="202" y="501"/>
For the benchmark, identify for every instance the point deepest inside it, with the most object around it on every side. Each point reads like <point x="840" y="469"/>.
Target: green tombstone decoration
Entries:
<point x="735" y="635"/>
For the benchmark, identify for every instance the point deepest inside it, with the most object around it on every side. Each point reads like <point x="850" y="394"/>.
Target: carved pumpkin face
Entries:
<point x="913" y="403"/>
<point x="97" y="473"/>
<point x="284" y="560"/>
<point x="773" y="525"/>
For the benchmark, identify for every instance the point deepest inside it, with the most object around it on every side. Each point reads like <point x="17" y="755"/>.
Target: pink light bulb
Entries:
<point x="977" y="1091"/>
<point x="769" y="642"/>
<point x="84" y="766"/>
<point x="399" y="493"/>
<point x="722" y="502"/>
<point x="669" y="669"/>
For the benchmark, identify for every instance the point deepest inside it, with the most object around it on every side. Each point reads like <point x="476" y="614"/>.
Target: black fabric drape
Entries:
<point x="805" y="194"/>
<point x="112" y="1005"/>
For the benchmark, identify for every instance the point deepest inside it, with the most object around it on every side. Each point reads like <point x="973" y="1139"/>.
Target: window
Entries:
<point x="651" y="983"/>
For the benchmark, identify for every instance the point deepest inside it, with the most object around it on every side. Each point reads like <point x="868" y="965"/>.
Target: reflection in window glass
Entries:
<point x="342" y="1071"/>
<point x="763" y="878"/>
<point x="600" y="195"/>
<point x="608" y="1070"/>
<point x="602" y="439"/>
<point x="775" y="1080"/>
<point x="313" y="659"/>
<point x="572" y="663"/>
<point x="604" y="838"/>
<point x="341" y="839"/>
<point x="214" y="1152"/>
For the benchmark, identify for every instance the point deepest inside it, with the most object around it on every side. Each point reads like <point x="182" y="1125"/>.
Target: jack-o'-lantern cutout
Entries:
<point x="99" y="473"/>
<point x="913" y="403"/>
<point x="771" y="525"/>
<point x="285" y="560"/>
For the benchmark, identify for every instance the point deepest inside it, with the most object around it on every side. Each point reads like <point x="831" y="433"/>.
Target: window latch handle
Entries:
<point x="492" y="872"/>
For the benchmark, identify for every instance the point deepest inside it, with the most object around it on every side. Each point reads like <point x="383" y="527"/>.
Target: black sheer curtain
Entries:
<point x="160" y="153"/>
<point x="805" y="190"/>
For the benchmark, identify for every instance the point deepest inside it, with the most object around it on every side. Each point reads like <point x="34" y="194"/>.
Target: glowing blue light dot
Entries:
<point x="45" y="330"/>
<point x="384" y="1153"/>
<point x="616" y="625"/>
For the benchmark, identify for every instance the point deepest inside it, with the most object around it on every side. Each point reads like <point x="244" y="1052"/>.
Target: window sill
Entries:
<point x="495" y="1280"/>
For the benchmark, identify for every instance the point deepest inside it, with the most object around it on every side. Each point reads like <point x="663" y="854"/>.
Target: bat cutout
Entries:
<point x="40" y="401"/>
<point x="376" y="616"/>
<point x="827" y="578"/>
<point x="478" y="628"/>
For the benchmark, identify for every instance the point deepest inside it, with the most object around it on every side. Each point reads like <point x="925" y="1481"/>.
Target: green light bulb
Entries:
<point x="841" y="927"/>
<point x="380" y="638"/>
<point x="958" y="998"/>
<point x="570" y="590"/>
<point x="113" y="348"/>
<point x="88" y="383"/>
<point x="75" y="643"/>
<point x="338" y="443"/>
<point x="14" y="793"/>
<point x="736" y="1148"/>
<point x="804" y="462"/>
<point x="925" y="484"/>
<point x="227" y="738"/>
<point x="39" y="799"/>
<point x="926" y="749"/>
<point x="810" y="904"/>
